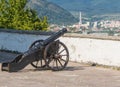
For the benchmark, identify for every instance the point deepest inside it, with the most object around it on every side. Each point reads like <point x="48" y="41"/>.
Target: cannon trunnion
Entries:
<point x="49" y="53"/>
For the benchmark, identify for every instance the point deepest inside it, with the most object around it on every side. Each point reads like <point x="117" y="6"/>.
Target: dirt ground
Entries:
<point x="75" y="75"/>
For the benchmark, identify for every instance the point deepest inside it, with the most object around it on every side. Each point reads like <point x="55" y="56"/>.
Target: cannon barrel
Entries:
<point x="45" y="42"/>
<point x="54" y="36"/>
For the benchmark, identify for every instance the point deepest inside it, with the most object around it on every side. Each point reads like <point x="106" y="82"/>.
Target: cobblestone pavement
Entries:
<point x="75" y="75"/>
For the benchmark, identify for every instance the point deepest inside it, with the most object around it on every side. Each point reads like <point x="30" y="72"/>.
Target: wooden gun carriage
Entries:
<point x="50" y="53"/>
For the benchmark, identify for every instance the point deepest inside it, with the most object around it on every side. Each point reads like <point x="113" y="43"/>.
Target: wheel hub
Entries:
<point x="56" y="56"/>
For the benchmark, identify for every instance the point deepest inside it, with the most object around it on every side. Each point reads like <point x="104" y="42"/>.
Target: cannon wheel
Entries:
<point x="40" y="62"/>
<point x="56" y="56"/>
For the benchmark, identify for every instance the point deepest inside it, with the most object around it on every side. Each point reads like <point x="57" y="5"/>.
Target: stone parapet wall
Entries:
<point x="82" y="48"/>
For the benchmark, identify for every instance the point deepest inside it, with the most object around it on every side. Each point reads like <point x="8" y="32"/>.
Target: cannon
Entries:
<point x="50" y="53"/>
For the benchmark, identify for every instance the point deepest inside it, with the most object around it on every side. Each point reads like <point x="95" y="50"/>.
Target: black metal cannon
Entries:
<point x="50" y="53"/>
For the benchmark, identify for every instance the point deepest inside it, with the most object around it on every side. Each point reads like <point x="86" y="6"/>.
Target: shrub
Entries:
<point x="14" y="15"/>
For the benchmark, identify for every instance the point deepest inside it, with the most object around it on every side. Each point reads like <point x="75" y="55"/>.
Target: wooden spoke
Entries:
<point x="60" y="62"/>
<point x="62" y="59"/>
<point x="61" y="51"/>
<point x="39" y="62"/>
<point x="56" y="64"/>
<point x="58" y="57"/>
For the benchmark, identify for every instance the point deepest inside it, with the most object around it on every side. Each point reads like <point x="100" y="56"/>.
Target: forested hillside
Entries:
<point x="55" y="13"/>
<point x="92" y="7"/>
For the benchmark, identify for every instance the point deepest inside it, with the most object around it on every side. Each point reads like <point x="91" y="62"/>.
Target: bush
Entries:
<point x="14" y="15"/>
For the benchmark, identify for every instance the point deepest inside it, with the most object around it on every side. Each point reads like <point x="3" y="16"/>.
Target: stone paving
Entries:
<point x="75" y="75"/>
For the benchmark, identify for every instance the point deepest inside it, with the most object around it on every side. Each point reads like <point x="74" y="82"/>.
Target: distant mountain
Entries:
<point x="91" y="7"/>
<point x="55" y="13"/>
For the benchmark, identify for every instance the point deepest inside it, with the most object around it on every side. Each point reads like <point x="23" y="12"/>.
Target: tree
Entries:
<point x="14" y="15"/>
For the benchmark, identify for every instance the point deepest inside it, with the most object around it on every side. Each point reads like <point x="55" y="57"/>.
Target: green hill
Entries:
<point x="55" y="13"/>
<point x="91" y="7"/>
